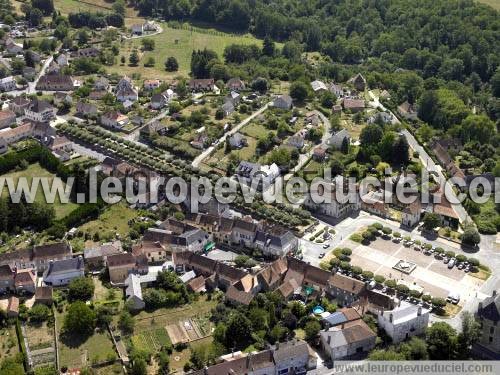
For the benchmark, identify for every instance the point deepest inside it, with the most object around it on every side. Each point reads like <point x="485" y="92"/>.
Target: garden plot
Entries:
<point x="40" y="344"/>
<point x="155" y="339"/>
<point x="189" y="330"/>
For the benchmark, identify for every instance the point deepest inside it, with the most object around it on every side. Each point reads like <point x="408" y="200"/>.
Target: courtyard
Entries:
<point x="430" y="273"/>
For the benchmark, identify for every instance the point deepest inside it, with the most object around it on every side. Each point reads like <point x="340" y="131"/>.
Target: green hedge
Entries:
<point x="22" y="347"/>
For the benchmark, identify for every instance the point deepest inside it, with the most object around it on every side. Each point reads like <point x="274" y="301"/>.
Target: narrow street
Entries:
<point x="196" y="162"/>
<point x="424" y="157"/>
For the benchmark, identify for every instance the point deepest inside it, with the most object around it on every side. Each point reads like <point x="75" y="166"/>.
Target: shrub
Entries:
<point x="401" y="288"/>
<point x="426" y="298"/>
<point x="387" y="230"/>
<point x="357" y="270"/>
<point x="379" y="279"/>
<point x="346" y="251"/>
<point x="473" y="261"/>
<point x="415" y="293"/>
<point x="390" y="283"/>
<point x="461" y="258"/>
<point x="356" y="237"/>
<point x="367" y="274"/>
<point x="450" y="254"/>
<point x="345" y="266"/>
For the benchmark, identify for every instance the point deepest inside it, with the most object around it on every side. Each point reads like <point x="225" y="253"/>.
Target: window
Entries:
<point x="491" y="339"/>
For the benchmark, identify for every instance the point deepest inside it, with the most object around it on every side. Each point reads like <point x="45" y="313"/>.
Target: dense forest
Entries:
<point x="455" y="37"/>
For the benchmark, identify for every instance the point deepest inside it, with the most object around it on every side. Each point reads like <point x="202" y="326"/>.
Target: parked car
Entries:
<point x="451" y="263"/>
<point x="321" y="256"/>
<point x="417" y="248"/>
<point x="326" y="246"/>
<point x="446" y="260"/>
<point x="460" y="266"/>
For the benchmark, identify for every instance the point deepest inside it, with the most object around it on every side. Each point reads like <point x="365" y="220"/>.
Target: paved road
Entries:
<point x="304" y="158"/>
<point x="196" y="162"/>
<point x="88" y="152"/>
<point x="134" y="136"/>
<point x="424" y="158"/>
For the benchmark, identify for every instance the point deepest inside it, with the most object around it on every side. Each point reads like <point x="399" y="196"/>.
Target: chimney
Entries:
<point x="419" y="312"/>
<point x="329" y="339"/>
<point x="390" y="318"/>
<point x="494" y="293"/>
<point x="382" y="312"/>
<point x="342" y="326"/>
<point x="480" y="306"/>
<point x="249" y="359"/>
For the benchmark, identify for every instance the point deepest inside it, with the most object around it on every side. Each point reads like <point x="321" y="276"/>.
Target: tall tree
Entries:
<point x="441" y="341"/>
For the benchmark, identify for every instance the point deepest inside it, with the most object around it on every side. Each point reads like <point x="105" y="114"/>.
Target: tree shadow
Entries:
<point x="74" y="340"/>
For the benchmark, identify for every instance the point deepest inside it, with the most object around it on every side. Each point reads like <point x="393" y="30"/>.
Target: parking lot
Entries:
<point x="432" y="274"/>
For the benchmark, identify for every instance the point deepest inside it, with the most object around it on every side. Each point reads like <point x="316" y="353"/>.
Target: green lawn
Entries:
<point x="8" y="342"/>
<point x="36" y="170"/>
<point x="255" y="130"/>
<point x="178" y="43"/>
<point x="112" y="221"/>
<point x="72" y="6"/>
<point x="75" y="350"/>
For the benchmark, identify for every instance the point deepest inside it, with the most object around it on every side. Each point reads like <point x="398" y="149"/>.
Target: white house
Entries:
<point x="348" y="340"/>
<point x="62" y="60"/>
<point x="283" y="102"/>
<point x="133" y="292"/>
<point x="137" y="29"/>
<point x="158" y="101"/>
<point x="40" y="111"/>
<point x="404" y="321"/>
<point x="247" y="172"/>
<point x="318" y="86"/>
<point x="336" y="140"/>
<point x="114" y="120"/>
<point x="125" y="90"/>
<point x="410" y="216"/>
<point x="8" y="84"/>
<point x="61" y="272"/>
<point x="323" y="199"/>
<point x="291" y="357"/>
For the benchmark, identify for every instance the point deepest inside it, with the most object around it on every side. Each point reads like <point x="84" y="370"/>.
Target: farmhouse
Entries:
<point x="55" y="82"/>
<point x="61" y="272"/>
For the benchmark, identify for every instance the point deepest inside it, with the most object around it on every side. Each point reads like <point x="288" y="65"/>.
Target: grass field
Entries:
<point x="73" y="6"/>
<point x="112" y="221"/>
<point x="178" y="43"/>
<point x="36" y="170"/>
<point x="76" y="351"/>
<point x="8" y="342"/>
<point x="495" y="4"/>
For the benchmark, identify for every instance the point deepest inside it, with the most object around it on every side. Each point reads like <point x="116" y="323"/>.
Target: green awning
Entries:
<point x="209" y="246"/>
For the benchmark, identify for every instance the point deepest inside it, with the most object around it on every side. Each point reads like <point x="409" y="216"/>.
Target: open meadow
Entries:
<point x="179" y="43"/>
<point x="36" y="170"/>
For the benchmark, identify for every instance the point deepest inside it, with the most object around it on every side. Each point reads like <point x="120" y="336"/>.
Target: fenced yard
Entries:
<point x="40" y="344"/>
